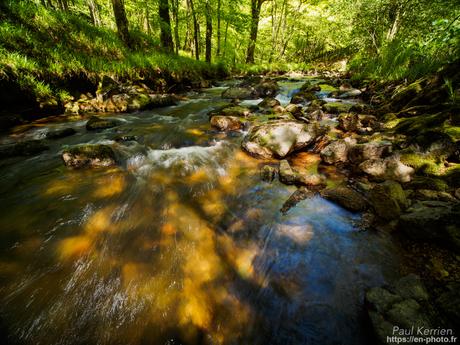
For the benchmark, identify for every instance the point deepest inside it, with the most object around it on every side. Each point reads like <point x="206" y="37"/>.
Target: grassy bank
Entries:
<point x="47" y="56"/>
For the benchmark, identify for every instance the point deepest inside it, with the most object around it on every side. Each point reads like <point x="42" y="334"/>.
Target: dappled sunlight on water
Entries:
<point x="182" y="243"/>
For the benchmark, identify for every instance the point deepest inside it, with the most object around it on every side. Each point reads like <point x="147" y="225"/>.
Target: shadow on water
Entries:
<point x="181" y="244"/>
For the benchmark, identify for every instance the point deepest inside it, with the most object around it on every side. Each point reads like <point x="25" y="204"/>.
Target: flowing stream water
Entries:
<point x="182" y="243"/>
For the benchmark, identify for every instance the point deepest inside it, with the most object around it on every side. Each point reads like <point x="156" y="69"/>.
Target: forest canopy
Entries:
<point x="44" y="40"/>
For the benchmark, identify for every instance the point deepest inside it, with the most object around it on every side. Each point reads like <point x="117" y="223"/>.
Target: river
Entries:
<point x="182" y="243"/>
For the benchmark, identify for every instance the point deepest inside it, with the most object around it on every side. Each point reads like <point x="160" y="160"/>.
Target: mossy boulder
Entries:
<point x="346" y="197"/>
<point x="269" y="103"/>
<point x="388" y="200"/>
<point x="239" y="93"/>
<point x="82" y="156"/>
<point x="423" y="164"/>
<point x="97" y="123"/>
<point x="303" y="97"/>
<point x="336" y="107"/>
<point x="289" y="176"/>
<point x="267" y="88"/>
<point x="234" y="111"/>
<point x="424" y="182"/>
<point x="404" y="305"/>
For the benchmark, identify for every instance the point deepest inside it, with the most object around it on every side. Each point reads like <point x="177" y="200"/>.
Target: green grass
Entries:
<point x="41" y="50"/>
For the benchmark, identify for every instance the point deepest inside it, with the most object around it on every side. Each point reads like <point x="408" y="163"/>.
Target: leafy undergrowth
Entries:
<point x="43" y="51"/>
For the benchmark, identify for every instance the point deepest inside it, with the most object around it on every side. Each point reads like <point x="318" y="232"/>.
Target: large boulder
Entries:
<point x="346" y="197"/>
<point x="141" y="101"/>
<point x="24" y="148"/>
<point x="279" y="138"/>
<point x="337" y="151"/>
<point x="388" y="200"/>
<point x="97" y="123"/>
<point x="82" y="156"/>
<point x="390" y="168"/>
<point x="226" y="123"/>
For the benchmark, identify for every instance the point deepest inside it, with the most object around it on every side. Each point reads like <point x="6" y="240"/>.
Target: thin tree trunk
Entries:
<point x="122" y="21"/>
<point x="219" y="4"/>
<point x="175" y="11"/>
<point x="165" y="26"/>
<point x="225" y="38"/>
<point x="256" y="5"/>
<point x="208" y="32"/>
<point x="196" y="31"/>
<point x="147" y="25"/>
<point x="94" y="12"/>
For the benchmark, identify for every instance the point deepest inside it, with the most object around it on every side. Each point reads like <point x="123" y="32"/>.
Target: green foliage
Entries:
<point x="42" y="49"/>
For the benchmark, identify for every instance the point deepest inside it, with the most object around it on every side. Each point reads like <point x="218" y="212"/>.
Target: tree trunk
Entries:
<point x="256" y="5"/>
<point x="219" y="4"/>
<point x="175" y="11"/>
<point x="94" y="12"/>
<point x="208" y="32"/>
<point x="196" y="31"/>
<point x="165" y="26"/>
<point x="122" y="21"/>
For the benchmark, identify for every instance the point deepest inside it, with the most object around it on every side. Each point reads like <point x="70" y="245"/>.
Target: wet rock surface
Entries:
<point x="93" y="156"/>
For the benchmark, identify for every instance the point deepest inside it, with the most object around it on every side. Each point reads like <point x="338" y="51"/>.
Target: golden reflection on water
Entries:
<point x="164" y="256"/>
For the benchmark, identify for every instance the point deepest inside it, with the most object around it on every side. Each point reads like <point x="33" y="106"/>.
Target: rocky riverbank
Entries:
<point x="398" y="145"/>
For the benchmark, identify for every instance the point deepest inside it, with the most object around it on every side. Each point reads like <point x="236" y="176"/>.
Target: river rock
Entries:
<point x="427" y="194"/>
<point x="388" y="200"/>
<point x="348" y="122"/>
<point x="226" y="123"/>
<point x="372" y="150"/>
<point x="238" y="92"/>
<point x="97" y="123"/>
<point x="60" y="133"/>
<point x="234" y="111"/>
<point x="294" y="109"/>
<point x="289" y="176"/>
<point x="268" y="173"/>
<point x="346" y="197"/>
<point x="351" y="93"/>
<point x="404" y="305"/>
<point x="24" y="148"/>
<point x="279" y="138"/>
<point x="303" y="97"/>
<point x="337" y="151"/>
<point x="89" y="156"/>
<point x="336" y="107"/>
<point x="390" y="168"/>
<point x="267" y="88"/>
<point x="269" y="103"/>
